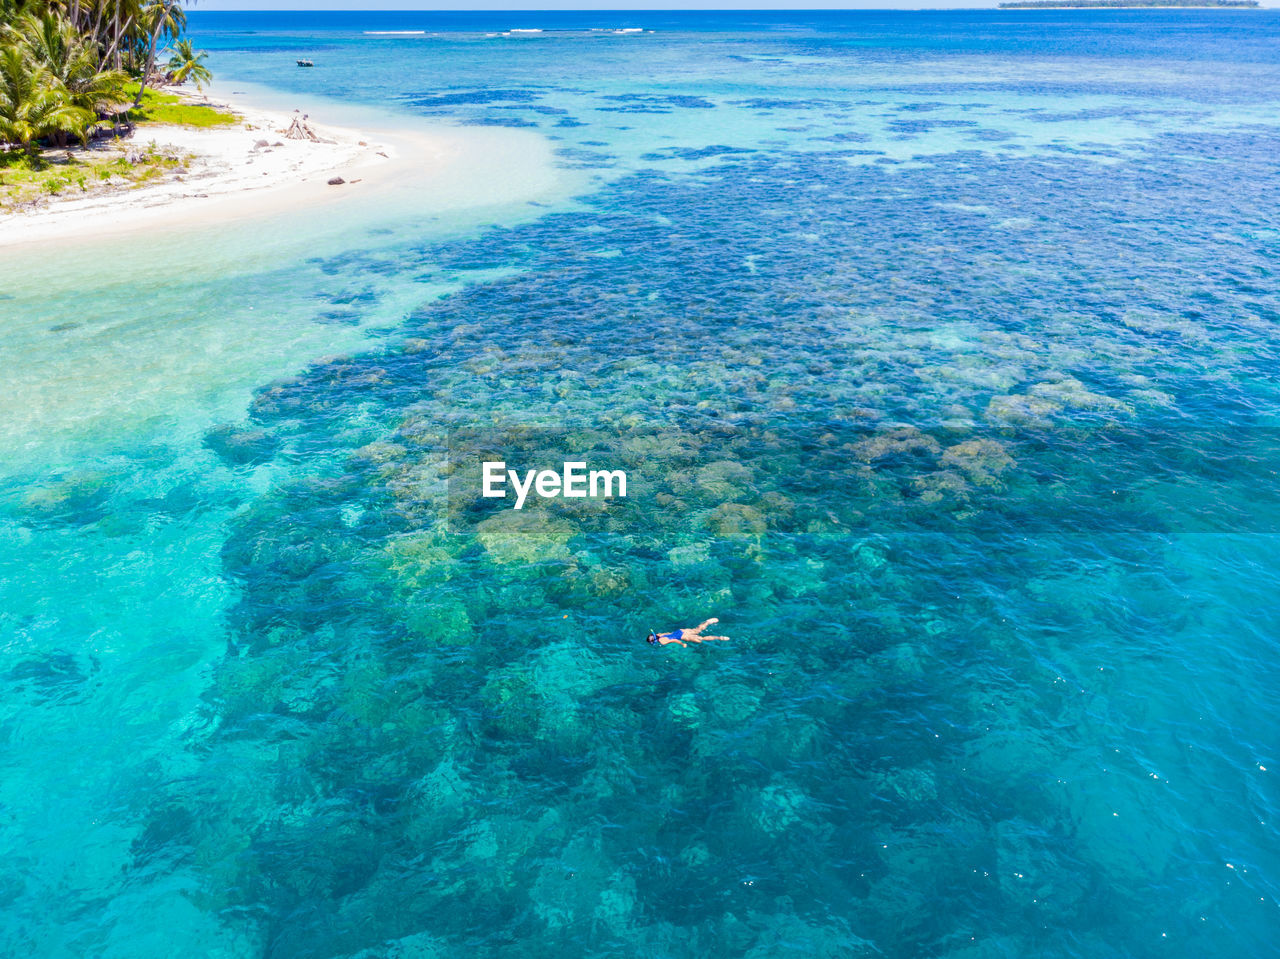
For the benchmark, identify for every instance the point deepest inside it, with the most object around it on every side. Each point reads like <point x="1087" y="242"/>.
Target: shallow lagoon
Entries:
<point x="942" y="359"/>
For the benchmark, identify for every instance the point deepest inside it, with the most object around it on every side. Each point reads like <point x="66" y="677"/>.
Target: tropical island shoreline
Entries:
<point x="98" y="133"/>
<point x="246" y="166"/>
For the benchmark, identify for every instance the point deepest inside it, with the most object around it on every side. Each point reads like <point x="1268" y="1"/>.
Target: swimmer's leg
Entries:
<point x="711" y="622"/>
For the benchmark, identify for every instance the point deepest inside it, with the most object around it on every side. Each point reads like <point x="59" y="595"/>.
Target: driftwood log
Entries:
<point x="299" y="129"/>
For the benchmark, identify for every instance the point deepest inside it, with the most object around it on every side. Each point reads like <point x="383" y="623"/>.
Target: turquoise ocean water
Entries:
<point x="941" y="349"/>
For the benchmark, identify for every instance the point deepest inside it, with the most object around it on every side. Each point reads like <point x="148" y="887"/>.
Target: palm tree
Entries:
<point x="164" y="17"/>
<point x="10" y="9"/>
<point x="114" y="29"/>
<point x="33" y="103"/>
<point x="79" y="55"/>
<point x="186" y="65"/>
<point x="52" y="42"/>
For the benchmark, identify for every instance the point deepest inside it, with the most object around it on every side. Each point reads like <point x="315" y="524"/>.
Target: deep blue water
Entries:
<point x="941" y="350"/>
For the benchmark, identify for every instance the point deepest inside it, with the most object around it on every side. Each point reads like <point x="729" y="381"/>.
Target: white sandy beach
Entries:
<point x="232" y="176"/>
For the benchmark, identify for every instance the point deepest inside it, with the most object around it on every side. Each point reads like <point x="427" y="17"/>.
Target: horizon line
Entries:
<point x="992" y="5"/>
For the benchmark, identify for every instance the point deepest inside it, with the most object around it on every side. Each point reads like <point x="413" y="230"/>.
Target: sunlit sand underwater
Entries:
<point x="941" y="350"/>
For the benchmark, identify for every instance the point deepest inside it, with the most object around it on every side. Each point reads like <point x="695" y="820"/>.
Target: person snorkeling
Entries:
<point x="684" y="636"/>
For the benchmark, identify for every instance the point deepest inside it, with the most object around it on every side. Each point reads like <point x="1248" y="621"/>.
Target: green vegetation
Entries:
<point x="159" y="107"/>
<point x="1066" y="4"/>
<point x="66" y="66"/>
<point x="186" y="64"/>
<point x="26" y="183"/>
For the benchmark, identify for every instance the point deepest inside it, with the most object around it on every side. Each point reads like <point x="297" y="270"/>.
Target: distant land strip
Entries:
<point x="1067" y="4"/>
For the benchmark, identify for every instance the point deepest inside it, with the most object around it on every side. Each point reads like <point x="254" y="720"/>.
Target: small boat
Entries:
<point x="305" y="63"/>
